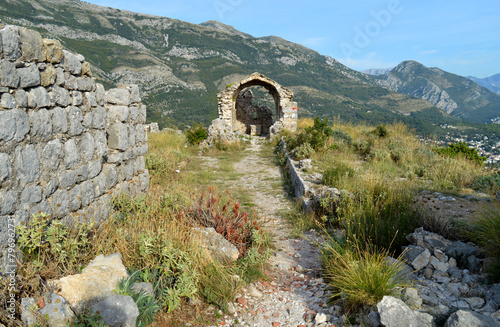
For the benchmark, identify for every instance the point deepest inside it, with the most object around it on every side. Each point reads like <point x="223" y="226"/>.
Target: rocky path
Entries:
<point x="295" y="294"/>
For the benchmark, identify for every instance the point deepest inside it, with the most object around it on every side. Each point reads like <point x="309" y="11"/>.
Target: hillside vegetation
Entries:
<point x="180" y="67"/>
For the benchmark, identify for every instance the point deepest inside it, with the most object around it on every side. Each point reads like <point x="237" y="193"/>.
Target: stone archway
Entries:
<point x="237" y="114"/>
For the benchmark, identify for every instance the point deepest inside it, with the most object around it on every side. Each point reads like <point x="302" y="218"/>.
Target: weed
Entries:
<point x="485" y="231"/>
<point x="360" y="275"/>
<point x="226" y="218"/>
<point x="146" y="303"/>
<point x="89" y="318"/>
<point x="334" y="174"/>
<point x="303" y="151"/>
<point x="42" y="241"/>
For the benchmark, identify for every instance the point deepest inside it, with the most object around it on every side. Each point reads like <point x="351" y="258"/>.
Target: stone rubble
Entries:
<point x="93" y="288"/>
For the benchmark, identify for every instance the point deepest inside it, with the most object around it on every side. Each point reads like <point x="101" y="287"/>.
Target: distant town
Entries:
<point x="486" y="146"/>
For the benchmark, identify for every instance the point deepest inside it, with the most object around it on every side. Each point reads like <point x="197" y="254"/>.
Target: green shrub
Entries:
<point x="304" y="151"/>
<point x="43" y="241"/>
<point x="380" y="131"/>
<point x="360" y="275"/>
<point x="315" y="135"/>
<point x="461" y="149"/>
<point x="363" y="147"/>
<point x="173" y="272"/>
<point x="196" y="134"/>
<point x="488" y="183"/>
<point x="340" y="135"/>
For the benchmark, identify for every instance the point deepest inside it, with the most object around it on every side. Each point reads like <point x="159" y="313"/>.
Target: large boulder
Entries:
<point x="466" y="318"/>
<point x="395" y="313"/>
<point x="96" y="282"/>
<point x="218" y="247"/>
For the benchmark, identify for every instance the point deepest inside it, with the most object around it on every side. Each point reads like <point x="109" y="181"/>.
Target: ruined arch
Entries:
<point x="232" y="100"/>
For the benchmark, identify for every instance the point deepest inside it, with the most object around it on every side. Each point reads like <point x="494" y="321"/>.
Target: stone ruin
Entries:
<point x="238" y="115"/>
<point x="67" y="146"/>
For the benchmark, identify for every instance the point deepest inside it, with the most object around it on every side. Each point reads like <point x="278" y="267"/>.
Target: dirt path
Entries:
<point x="295" y="294"/>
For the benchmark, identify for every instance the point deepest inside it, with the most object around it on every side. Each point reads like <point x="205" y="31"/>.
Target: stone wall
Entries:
<point x="66" y="144"/>
<point x="229" y="127"/>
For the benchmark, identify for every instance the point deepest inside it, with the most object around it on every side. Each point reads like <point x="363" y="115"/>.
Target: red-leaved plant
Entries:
<point x="226" y="218"/>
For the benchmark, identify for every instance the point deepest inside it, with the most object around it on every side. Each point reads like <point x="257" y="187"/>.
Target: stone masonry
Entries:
<point x="229" y="124"/>
<point x="66" y="144"/>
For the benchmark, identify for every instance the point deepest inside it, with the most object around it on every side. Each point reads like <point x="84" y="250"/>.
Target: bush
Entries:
<point x="380" y="131"/>
<point x="337" y="134"/>
<point x="303" y="152"/>
<point x="461" y="149"/>
<point x="362" y="276"/>
<point x="488" y="183"/>
<point x="315" y="135"/>
<point x="43" y="241"/>
<point x="363" y="147"/>
<point x="196" y="134"/>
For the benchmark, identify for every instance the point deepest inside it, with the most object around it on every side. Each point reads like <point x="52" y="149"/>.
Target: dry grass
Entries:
<point x="153" y="234"/>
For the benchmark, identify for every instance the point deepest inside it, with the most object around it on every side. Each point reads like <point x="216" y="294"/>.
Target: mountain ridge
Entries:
<point x="491" y="82"/>
<point x="454" y="94"/>
<point x="180" y="66"/>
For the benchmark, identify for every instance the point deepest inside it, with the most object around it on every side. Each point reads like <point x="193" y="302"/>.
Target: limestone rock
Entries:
<point x="118" y="96"/>
<point x="395" y="313"/>
<point x="421" y="260"/>
<point x="216" y="244"/>
<point x="71" y="63"/>
<point x="29" y="76"/>
<point x="57" y="310"/>
<point x="411" y="298"/>
<point x="465" y="318"/>
<point x="9" y="35"/>
<point x="8" y="74"/>
<point x="32" y="48"/>
<point x="96" y="282"/>
<point x="143" y="287"/>
<point x="53" y="51"/>
<point x="117" y="311"/>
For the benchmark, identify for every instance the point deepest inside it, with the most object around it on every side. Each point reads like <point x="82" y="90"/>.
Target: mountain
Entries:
<point x="180" y="67"/>
<point x="453" y="94"/>
<point x="376" y="72"/>
<point x="492" y="83"/>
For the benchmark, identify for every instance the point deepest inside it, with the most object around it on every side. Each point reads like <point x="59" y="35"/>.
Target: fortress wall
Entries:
<point x="66" y="144"/>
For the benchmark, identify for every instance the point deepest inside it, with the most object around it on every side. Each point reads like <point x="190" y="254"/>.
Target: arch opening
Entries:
<point x="256" y="109"/>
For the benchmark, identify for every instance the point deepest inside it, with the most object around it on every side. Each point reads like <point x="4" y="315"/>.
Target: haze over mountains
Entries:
<point x="180" y="67"/>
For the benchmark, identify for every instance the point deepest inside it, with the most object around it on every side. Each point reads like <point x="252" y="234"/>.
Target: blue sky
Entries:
<point x="462" y="37"/>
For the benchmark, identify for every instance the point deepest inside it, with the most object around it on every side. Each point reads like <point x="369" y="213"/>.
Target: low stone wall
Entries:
<point x="310" y="193"/>
<point x="66" y="144"/>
